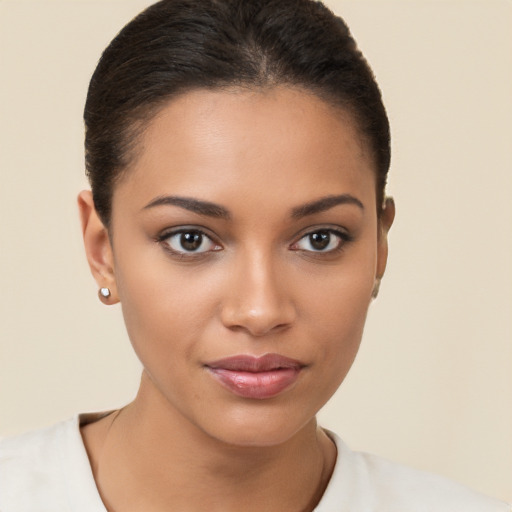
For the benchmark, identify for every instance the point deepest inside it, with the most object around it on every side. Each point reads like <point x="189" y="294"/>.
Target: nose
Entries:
<point x="257" y="298"/>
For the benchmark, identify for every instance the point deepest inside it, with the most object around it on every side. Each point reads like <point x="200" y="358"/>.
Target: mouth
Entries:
<point x="256" y="377"/>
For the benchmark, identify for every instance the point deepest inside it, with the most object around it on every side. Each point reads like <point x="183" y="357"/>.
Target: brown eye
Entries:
<point x="190" y="241"/>
<point x="322" y="240"/>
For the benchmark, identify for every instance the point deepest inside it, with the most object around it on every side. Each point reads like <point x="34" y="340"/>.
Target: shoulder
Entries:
<point x="366" y="482"/>
<point x="47" y="467"/>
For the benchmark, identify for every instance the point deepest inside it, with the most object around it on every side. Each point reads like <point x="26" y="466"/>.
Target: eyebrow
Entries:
<point x="209" y="209"/>
<point x="194" y="205"/>
<point x="323" y="204"/>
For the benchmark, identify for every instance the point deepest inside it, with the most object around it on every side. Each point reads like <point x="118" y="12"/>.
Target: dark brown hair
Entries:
<point x="178" y="45"/>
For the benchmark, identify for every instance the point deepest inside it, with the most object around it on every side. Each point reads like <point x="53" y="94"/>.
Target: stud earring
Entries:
<point x="105" y="293"/>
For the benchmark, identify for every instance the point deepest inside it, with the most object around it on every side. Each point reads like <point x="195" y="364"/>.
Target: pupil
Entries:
<point x="191" y="241"/>
<point x="320" y="240"/>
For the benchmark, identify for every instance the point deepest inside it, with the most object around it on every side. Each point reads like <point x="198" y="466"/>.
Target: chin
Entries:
<point x="258" y="428"/>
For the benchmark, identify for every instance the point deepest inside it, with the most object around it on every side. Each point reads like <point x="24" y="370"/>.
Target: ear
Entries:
<point x="97" y="247"/>
<point x="385" y="222"/>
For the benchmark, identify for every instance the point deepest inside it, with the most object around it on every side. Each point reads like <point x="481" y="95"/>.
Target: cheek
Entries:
<point x="336" y="308"/>
<point x="339" y="323"/>
<point x="341" y="295"/>
<point x="164" y="310"/>
<point x="338" y="333"/>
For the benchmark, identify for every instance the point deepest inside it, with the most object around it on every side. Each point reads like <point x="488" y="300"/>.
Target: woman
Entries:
<point x="237" y="153"/>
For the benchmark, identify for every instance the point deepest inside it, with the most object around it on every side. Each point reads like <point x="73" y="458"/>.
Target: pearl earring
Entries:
<point x="105" y="293"/>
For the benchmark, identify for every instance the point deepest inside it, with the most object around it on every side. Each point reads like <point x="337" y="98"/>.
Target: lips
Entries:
<point x="256" y="377"/>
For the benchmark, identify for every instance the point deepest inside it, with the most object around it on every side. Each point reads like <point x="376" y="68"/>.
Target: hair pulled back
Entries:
<point x="176" y="46"/>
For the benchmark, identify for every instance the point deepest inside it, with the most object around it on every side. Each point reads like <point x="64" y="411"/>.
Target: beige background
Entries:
<point x="432" y="386"/>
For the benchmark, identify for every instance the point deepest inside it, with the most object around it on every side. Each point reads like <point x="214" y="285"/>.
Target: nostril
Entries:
<point x="255" y="325"/>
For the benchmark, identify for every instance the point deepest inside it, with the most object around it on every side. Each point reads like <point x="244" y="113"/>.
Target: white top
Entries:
<point x="48" y="471"/>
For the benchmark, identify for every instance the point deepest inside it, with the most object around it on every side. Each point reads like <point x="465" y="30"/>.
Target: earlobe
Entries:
<point x="97" y="248"/>
<point x="385" y="222"/>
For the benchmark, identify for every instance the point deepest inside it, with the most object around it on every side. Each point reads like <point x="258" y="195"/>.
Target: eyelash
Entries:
<point x="163" y="239"/>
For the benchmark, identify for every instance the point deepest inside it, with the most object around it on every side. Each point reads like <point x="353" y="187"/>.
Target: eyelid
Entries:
<point x="169" y="231"/>
<point x="331" y="228"/>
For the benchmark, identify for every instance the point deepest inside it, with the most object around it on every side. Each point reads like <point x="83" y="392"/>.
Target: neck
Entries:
<point x="149" y="457"/>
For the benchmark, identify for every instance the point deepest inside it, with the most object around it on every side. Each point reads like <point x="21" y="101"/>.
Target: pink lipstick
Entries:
<point x="256" y="377"/>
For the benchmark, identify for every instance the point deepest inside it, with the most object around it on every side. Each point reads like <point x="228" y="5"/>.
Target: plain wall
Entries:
<point x="432" y="384"/>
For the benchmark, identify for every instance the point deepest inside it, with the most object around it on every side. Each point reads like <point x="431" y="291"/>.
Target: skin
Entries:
<point x="259" y="287"/>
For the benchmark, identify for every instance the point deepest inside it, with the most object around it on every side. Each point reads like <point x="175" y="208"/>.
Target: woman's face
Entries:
<point x="245" y="248"/>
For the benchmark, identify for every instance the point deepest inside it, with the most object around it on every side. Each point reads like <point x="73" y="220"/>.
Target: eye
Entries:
<point x="189" y="241"/>
<point x="322" y="240"/>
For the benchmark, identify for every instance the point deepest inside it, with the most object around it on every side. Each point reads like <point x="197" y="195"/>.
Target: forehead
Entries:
<point x="277" y="142"/>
